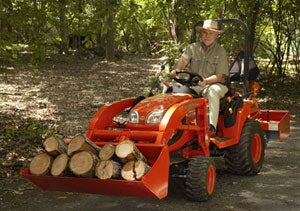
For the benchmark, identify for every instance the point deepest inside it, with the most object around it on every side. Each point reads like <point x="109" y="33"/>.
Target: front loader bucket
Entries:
<point x="153" y="184"/>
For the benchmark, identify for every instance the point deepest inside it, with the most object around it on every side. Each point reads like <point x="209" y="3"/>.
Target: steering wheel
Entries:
<point x="191" y="80"/>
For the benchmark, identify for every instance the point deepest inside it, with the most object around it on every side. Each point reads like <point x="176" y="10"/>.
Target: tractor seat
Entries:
<point x="236" y="69"/>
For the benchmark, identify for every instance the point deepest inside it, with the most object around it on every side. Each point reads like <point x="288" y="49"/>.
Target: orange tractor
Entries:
<point x="172" y="131"/>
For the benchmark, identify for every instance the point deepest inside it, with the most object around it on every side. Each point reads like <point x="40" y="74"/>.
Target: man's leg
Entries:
<point x="214" y="93"/>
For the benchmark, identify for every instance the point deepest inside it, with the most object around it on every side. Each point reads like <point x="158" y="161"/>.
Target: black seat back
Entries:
<point x="236" y="68"/>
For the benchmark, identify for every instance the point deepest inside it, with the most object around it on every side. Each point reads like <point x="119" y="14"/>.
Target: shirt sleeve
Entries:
<point x="187" y="54"/>
<point x="222" y="66"/>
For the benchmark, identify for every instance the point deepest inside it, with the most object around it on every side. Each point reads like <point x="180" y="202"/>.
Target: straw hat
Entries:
<point x="209" y="25"/>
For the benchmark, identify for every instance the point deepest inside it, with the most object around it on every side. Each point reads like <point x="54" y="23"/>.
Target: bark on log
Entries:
<point x="83" y="164"/>
<point x="127" y="151"/>
<point x="60" y="166"/>
<point x="108" y="169"/>
<point x="107" y="152"/>
<point x="82" y="143"/>
<point x="40" y="164"/>
<point x="134" y="170"/>
<point x="55" y="145"/>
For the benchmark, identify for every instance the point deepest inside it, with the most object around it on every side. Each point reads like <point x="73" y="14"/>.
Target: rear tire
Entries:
<point x="246" y="157"/>
<point x="200" y="178"/>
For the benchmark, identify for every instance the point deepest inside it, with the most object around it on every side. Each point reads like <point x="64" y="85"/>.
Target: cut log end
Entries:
<point x="40" y="164"/>
<point x="134" y="170"/>
<point x="127" y="151"/>
<point x="55" y="145"/>
<point x="127" y="172"/>
<point x="108" y="169"/>
<point x="107" y="152"/>
<point x="83" y="164"/>
<point x="60" y="165"/>
<point x="141" y="168"/>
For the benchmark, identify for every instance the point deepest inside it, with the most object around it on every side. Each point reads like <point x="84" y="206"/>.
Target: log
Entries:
<point x="127" y="151"/>
<point x="134" y="170"/>
<point x="107" y="152"/>
<point x="60" y="166"/>
<point x="40" y="164"/>
<point x="55" y="145"/>
<point x="108" y="169"/>
<point x="82" y="143"/>
<point x="83" y="164"/>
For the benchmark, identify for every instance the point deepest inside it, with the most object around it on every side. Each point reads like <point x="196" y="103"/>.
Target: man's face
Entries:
<point x="209" y="36"/>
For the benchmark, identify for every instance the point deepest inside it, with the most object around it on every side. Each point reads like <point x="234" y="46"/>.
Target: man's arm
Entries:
<point x="212" y="79"/>
<point x="181" y="64"/>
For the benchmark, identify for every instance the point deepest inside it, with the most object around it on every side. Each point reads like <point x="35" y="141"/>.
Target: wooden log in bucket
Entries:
<point x="60" y="166"/>
<point x="82" y="143"/>
<point x="40" y="164"/>
<point x="134" y="170"/>
<point x="127" y="151"/>
<point x="55" y="145"/>
<point x="107" y="169"/>
<point x="83" y="164"/>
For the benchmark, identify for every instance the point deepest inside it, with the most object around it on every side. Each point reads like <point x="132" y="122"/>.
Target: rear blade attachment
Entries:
<point x="154" y="184"/>
<point x="276" y="123"/>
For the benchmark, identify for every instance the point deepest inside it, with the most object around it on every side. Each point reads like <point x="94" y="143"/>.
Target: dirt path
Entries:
<point x="68" y="92"/>
<point x="277" y="187"/>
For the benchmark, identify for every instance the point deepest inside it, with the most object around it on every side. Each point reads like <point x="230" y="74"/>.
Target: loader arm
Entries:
<point x="104" y="116"/>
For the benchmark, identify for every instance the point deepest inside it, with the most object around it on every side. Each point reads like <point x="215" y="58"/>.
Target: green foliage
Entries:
<point x="29" y="134"/>
<point x="42" y="28"/>
<point x="20" y="140"/>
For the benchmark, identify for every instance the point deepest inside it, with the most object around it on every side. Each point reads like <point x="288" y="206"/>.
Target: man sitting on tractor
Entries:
<point x="209" y="60"/>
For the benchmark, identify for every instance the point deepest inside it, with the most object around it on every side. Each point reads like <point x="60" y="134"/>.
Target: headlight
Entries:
<point x="133" y="117"/>
<point x="155" y="116"/>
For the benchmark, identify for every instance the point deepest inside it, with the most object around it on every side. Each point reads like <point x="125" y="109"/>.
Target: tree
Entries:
<point x="63" y="26"/>
<point x="110" y="47"/>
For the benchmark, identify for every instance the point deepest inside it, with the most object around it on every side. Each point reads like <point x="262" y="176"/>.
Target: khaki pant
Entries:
<point x="213" y="93"/>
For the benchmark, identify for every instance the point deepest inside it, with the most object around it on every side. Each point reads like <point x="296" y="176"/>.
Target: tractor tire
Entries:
<point x="200" y="178"/>
<point x="247" y="157"/>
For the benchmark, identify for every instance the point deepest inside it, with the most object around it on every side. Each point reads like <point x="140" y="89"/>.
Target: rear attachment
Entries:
<point x="153" y="184"/>
<point x="276" y="123"/>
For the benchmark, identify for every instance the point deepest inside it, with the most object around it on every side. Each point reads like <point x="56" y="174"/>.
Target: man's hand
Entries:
<point x="174" y="73"/>
<point x="180" y="66"/>
<point x="202" y="83"/>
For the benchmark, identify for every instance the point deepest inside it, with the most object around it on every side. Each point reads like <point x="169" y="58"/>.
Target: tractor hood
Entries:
<point x="148" y="113"/>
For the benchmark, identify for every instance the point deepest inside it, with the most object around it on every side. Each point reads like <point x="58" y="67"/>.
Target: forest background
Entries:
<point x="37" y="29"/>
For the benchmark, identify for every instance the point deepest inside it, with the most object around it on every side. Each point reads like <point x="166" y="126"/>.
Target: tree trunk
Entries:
<point x="83" y="164"/>
<point x="134" y="170"/>
<point x="54" y="145"/>
<point x="127" y="151"/>
<point x="40" y="164"/>
<point x="63" y="27"/>
<point x="60" y="166"/>
<point x="109" y="47"/>
<point x="82" y="143"/>
<point x="174" y="27"/>
<point x="108" y="169"/>
<point x="253" y="9"/>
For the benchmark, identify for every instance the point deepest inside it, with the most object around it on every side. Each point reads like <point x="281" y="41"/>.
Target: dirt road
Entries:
<point x="277" y="187"/>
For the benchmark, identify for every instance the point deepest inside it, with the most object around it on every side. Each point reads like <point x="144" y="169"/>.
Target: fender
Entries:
<point x="249" y="110"/>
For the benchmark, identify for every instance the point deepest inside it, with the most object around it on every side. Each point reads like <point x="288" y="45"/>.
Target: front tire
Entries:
<point x="246" y="157"/>
<point x="200" y="178"/>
